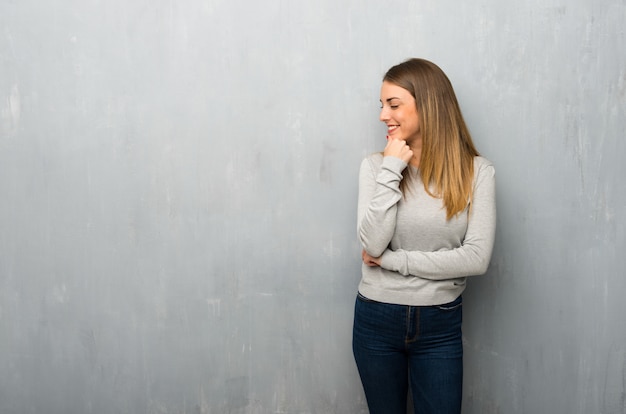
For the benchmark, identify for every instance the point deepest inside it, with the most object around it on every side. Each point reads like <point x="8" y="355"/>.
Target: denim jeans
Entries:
<point x="397" y="346"/>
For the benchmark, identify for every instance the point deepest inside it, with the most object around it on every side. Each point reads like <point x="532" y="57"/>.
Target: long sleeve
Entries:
<point x="379" y="193"/>
<point x="474" y="254"/>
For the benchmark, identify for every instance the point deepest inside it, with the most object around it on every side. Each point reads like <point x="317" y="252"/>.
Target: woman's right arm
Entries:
<point x="379" y="193"/>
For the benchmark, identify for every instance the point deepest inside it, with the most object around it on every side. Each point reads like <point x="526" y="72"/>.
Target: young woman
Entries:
<point x="426" y="221"/>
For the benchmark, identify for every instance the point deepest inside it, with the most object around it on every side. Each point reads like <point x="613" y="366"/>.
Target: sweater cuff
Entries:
<point x="394" y="164"/>
<point x="395" y="261"/>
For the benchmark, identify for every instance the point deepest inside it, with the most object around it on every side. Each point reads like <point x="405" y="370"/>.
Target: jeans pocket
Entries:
<point x="455" y="304"/>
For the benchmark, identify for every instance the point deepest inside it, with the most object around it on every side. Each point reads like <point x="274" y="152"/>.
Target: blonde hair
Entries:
<point x="447" y="158"/>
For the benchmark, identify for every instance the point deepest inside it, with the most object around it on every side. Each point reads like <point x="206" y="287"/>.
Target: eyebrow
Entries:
<point x="391" y="99"/>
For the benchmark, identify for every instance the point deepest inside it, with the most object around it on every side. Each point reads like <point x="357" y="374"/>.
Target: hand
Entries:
<point x="399" y="149"/>
<point x="369" y="260"/>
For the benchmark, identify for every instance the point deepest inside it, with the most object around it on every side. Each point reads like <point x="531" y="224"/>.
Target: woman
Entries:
<point x="426" y="220"/>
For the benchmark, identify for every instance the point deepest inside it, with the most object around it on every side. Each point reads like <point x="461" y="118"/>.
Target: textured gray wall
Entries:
<point x="178" y="182"/>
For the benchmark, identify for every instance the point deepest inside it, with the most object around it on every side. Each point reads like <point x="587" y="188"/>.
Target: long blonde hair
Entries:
<point x="447" y="158"/>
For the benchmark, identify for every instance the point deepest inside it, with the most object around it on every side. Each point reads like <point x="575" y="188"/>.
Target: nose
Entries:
<point x="384" y="114"/>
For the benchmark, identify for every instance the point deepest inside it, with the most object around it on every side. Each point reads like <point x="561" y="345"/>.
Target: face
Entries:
<point x="399" y="113"/>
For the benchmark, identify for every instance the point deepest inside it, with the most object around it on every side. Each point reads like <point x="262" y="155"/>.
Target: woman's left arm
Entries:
<point x="472" y="257"/>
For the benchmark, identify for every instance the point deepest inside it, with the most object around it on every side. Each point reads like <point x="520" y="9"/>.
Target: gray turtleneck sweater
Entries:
<point x="425" y="258"/>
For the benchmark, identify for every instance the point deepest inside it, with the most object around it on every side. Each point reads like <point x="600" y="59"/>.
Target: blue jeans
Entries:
<point x="397" y="346"/>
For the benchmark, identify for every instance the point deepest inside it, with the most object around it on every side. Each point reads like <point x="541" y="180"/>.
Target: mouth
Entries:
<point x="392" y="128"/>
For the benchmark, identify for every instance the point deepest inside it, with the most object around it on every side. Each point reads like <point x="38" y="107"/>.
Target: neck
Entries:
<point x="417" y="155"/>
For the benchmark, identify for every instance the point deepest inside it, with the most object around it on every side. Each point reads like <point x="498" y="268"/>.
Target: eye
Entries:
<point x="393" y="106"/>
